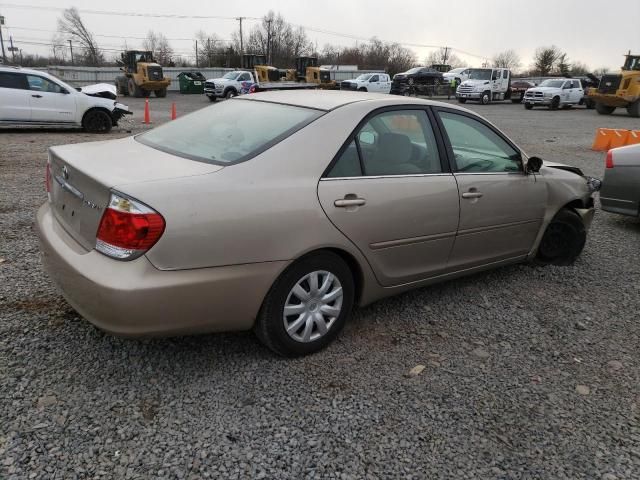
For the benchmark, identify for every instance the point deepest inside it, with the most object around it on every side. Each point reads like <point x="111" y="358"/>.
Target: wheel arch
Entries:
<point x="93" y="109"/>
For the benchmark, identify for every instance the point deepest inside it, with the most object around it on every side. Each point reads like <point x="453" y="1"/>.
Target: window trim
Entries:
<point x="440" y="145"/>
<point x="25" y="82"/>
<point x="449" y="148"/>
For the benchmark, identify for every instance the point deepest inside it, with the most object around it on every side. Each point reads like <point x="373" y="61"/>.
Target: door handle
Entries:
<point x="36" y="96"/>
<point x="471" y="194"/>
<point x="350" y="202"/>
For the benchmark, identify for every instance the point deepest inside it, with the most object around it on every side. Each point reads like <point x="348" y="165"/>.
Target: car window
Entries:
<point x="244" y="77"/>
<point x="41" y="84"/>
<point x="477" y="148"/>
<point x="231" y="132"/>
<point x="399" y="142"/>
<point x="13" y="80"/>
<point x="374" y="79"/>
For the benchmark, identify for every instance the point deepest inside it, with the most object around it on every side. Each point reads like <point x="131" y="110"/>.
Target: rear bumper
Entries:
<point x="136" y="299"/>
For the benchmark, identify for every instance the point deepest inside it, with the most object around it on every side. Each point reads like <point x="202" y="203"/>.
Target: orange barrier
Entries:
<point x="147" y="116"/>
<point x="634" y="137"/>
<point x="618" y="138"/>
<point x="173" y="111"/>
<point x="602" y="141"/>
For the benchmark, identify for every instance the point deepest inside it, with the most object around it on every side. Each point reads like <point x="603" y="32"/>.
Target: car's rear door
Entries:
<point x="14" y="97"/>
<point x="501" y="207"/>
<point x="50" y="102"/>
<point x="389" y="191"/>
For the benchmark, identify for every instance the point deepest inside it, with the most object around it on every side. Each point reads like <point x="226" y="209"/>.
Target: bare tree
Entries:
<point x="59" y="49"/>
<point x="598" y="72"/>
<point x="579" y="68"/>
<point x="563" y="66"/>
<point x="545" y="58"/>
<point x="72" y="25"/>
<point x="443" y="56"/>
<point x="212" y="52"/>
<point x="159" y="45"/>
<point x="507" y="59"/>
<point x="279" y="40"/>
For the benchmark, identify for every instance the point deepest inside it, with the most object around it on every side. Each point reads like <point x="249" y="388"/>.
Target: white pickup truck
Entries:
<point x="229" y="85"/>
<point x="555" y="93"/>
<point x="368" y="82"/>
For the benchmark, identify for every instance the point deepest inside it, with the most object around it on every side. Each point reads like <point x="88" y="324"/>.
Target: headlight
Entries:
<point x="479" y="88"/>
<point x="548" y="95"/>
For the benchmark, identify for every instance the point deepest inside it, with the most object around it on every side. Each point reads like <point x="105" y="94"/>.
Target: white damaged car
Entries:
<point x="38" y="99"/>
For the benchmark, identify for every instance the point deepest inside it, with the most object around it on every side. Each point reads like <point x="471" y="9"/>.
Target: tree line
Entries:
<point x="282" y="42"/>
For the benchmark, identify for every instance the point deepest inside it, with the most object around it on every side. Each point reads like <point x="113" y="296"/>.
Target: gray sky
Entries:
<point x="596" y="36"/>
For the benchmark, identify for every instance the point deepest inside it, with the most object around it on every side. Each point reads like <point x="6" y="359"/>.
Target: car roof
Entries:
<point x="332" y="99"/>
<point x="8" y="68"/>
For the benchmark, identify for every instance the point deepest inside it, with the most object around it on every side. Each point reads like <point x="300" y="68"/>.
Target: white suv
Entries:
<point x="35" y="98"/>
<point x="555" y="93"/>
<point x="368" y="82"/>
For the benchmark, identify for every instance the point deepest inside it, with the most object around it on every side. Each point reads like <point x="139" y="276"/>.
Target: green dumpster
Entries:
<point x="191" y="82"/>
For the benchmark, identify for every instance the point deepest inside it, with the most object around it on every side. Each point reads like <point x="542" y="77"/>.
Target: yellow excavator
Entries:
<point x="142" y="75"/>
<point x="619" y="89"/>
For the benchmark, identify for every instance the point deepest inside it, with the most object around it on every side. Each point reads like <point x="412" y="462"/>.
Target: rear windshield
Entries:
<point x="229" y="132"/>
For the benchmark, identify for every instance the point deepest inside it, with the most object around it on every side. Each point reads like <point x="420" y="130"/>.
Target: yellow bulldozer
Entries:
<point x="619" y="89"/>
<point x="142" y="75"/>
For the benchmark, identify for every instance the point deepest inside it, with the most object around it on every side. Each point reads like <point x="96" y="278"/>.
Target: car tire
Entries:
<point x="633" y="109"/>
<point x="97" y="121"/>
<point x="563" y="240"/>
<point x="462" y="100"/>
<point x="590" y="104"/>
<point x="362" y="89"/>
<point x="555" y="103"/>
<point x="161" y="93"/>
<point x="528" y="106"/>
<point x="604" y="109"/>
<point x="230" y="94"/>
<point x="567" y="107"/>
<point x="271" y="324"/>
<point x="212" y="98"/>
<point x="516" y="100"/>
<point x="485" y="99"/>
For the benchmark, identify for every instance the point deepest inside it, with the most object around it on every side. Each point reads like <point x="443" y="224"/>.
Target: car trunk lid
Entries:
<point x="82" y="177"/>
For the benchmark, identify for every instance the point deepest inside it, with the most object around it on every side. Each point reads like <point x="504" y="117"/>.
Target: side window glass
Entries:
<point x="399" y="142"/>
<point x="348" y="165"/>
<point x="13" y="80"/>
<point x="41" y="84"/>
<point x="374" y="79"/>
<point x="477" y="148"/>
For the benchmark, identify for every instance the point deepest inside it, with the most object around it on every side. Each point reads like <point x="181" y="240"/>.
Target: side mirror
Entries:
<point x="533" y="165"/>
<point x="367" y="138"/>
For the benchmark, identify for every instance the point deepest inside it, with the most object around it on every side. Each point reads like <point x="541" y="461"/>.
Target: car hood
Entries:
<point x="126" y="161"/>
<point x="220" y="80"/>
<point x="474" y="83"/>
<point x="545" y="89"/>
<point x="101" y="90"/>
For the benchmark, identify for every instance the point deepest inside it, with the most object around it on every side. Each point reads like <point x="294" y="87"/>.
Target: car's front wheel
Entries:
<point x="212" y="98"/>
<point x="97" y="121"/>
<point x="485" y="99"/>
<point x="307" y="306"/>
<point x="563" y="240"/>
<point x="528" y="106"/>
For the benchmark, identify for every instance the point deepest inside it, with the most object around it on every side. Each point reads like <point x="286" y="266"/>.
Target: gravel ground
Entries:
<point x="529" y="372"/>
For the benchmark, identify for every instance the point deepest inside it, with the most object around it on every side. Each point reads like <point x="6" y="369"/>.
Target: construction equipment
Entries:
<point x="142" y="75"/>
<point x="307" y="70"/>
<point x="619" y="90"/>
<point x="271" y="78"/>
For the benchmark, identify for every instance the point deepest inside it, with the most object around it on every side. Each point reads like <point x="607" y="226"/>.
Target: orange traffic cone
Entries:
<point x="147" y="116"/>
<point x="173" y="111"/>
<point x="602" y="140"/>
<point x="618" y="138"/>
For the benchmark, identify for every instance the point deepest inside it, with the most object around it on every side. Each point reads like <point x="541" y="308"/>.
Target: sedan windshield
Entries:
<point x="364" y="77"/>
<point x="231" y="75"/>
<point x="414" y="70"/>
<point x="230" y="132"/>
<point x="480" y="74"/>
<point x="552" y="83"/>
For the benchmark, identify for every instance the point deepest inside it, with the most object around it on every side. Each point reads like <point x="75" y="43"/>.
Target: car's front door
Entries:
<point x="50" y="102"/>
<point x="389" y="192"/>
<point x="14" y="97"/>
<point x="501" y="207"/>
<point x="374" y="84"/>
<point x="577" y="91"/>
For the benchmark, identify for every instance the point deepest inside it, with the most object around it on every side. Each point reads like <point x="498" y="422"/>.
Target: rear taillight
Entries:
<point x="47" y="179"/>
<point x="609" y="160"/>
<point x="128" y="228"/>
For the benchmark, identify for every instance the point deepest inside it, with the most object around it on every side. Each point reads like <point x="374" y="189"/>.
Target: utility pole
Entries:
<point x="269" y="41"/>
<point x="71" y="50"/>
<point x="21" y="60"/>
<point x="446" y="54"/>
<point x="12" y="49"/>
<point x="4" y="55"/>
<point x="241" y="41"/>
<point x="197" y="54"/>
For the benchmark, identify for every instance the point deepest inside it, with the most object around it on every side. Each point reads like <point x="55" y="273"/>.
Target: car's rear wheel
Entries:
<point x="563" y="240"/>
<point x="307" y="306"/>
<point x="97" y="121"/>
